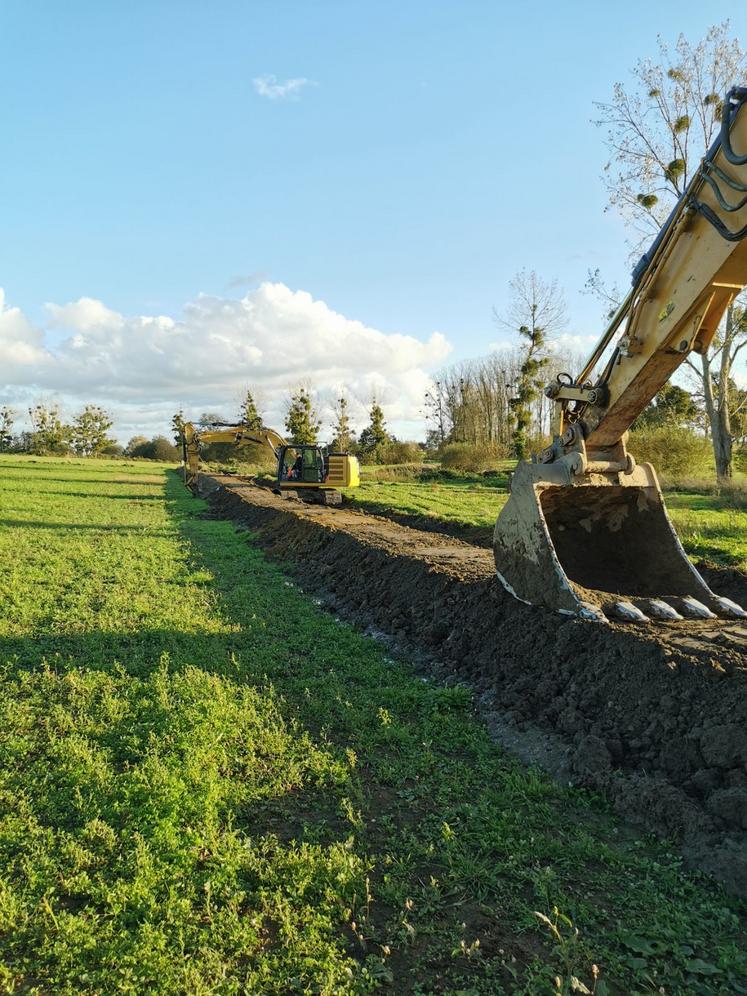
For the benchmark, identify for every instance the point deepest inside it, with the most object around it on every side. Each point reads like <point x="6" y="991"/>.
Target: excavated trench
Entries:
<point x="654" y="716"/>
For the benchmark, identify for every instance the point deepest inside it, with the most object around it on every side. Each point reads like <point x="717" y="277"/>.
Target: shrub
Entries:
<point x="131" y="449"/>
<point x="164" y="449"/>
<point x="394" y="451"/>
<point x="112" y="450"/>
<point x="392" y="472"/>
<point x="470" y="457"/>
<point x="674" y="451"/>
<point x="158" y="448"/>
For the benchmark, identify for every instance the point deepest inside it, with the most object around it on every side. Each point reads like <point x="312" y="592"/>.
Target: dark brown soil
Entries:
<point x="654" y="716"/>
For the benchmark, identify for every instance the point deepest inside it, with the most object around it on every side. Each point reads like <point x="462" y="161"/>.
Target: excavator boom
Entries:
<point x="585" y="530"/>
<point x="193" y="437"/>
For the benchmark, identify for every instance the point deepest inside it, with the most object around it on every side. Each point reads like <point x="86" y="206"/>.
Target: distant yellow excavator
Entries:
<point x="306" y="471"/>
<point x="585" y="531"/>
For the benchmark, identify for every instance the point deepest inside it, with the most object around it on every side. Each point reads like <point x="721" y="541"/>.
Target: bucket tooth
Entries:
<point x="587" y="610"/>
<point x="694" y="609"/>
<point x="729" y="608"/>
<point x="570" y="540"/>
<point x="657" y="608"/>
<point x="628" y="612"/>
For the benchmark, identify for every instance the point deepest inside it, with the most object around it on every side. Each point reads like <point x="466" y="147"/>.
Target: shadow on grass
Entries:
<point x="106" y="495"/>
<point x="136" y="652"/>
<point x="101" y="527"/>
<point x="132" y="478"/>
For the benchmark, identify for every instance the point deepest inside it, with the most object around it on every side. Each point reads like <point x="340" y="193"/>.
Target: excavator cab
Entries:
<point x="302" y="465"/>
<point x="312" y="473"/>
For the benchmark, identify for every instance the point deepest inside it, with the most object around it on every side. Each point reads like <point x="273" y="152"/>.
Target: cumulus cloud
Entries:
<point x="21" y="345"/>
<point x="84" y="314"/>
<point x="274" y="89"/>
<point x="273" y="338"/>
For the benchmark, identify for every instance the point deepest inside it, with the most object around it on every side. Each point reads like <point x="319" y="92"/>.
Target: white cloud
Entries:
<point x="575" y="343"/>
<point x="271" y="87"/>
<point x="21" y="345"/>
<point x="143" y="368"/>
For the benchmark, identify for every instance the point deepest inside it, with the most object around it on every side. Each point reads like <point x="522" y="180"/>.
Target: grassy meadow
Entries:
<point x="209" y="785"/>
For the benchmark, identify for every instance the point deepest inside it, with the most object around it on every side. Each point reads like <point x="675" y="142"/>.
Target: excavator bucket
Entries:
<point x="600" y="546"/>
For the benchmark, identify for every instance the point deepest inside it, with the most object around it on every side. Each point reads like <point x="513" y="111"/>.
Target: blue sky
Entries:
<point x="436" y="149"/>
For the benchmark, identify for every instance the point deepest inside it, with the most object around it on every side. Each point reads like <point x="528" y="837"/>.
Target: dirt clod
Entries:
<point x="724" y="746"/>
<point x="730" y="805"/>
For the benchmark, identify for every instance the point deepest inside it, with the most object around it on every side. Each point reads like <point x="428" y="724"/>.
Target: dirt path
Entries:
<point x="655" y="716"/>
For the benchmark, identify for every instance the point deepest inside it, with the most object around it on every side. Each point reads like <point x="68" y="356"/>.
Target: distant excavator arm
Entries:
<point x="193" y="438"/>
<point x="585" y="530"/>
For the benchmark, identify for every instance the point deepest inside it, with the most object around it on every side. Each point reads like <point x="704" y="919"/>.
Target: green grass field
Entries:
<point x="209" y="785"/>
<point x="712" y="527"/>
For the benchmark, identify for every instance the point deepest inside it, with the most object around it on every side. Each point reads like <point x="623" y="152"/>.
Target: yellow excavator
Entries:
<point x="585" y="530"/>
<point x="306" y="471"/>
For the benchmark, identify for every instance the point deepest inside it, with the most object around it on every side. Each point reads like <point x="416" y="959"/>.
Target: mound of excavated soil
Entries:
<point x="655" y="716"/>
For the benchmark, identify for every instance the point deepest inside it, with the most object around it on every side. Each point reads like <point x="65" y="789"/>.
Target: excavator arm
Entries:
<point x="585" y="530"/>
<point x="193" y="438"/>
<point x="682" y="287"/>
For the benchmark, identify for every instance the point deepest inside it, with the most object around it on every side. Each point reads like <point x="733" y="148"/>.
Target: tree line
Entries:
<point x="86" y="434"/>
<point x="303" y="425"/>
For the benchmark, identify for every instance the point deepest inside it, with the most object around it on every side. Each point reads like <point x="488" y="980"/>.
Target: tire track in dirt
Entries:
<point x="653" y="716"/>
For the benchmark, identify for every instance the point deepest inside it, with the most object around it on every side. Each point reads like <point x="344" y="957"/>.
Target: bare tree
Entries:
<point x="436" y="415"/>
<point x="714" y="373"/>
<point x="536" y="311"/>
<point x="658" y="129"/>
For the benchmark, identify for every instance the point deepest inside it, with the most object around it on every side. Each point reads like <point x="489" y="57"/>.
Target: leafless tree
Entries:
<point x="659" y="126"/>
<point x="536" y="312"/>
